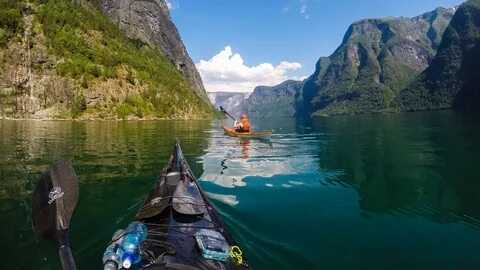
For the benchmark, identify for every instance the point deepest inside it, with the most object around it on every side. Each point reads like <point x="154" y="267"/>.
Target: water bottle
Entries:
<point x="134" y="235"/>
<point x="112" y="257"/>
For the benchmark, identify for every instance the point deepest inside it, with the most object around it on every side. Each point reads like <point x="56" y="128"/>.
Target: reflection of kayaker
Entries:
<point x="245" y="145"/>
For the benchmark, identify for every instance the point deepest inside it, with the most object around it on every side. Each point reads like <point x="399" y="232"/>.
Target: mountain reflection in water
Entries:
<point x="357" y="192"/>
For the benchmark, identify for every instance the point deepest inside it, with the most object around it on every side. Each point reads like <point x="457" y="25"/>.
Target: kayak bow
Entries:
<point x="174" y="212"/>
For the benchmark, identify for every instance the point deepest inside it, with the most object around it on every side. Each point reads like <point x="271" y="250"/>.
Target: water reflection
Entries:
<point x="410" y="164"/>
<point x="245" y="148"/>
<point x="117" y="163"/>
<point x="230" y="162"/>
<point x="367" y="192"/>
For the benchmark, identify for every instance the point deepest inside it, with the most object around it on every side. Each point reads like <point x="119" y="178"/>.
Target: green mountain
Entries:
<point x="273" y="101"/>
<point x="377" y="59"/>
<point x="64" y="60"/>
<point x="453" y="78"/>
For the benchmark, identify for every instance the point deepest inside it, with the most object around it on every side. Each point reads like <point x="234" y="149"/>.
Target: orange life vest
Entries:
<point x="245" y="125"/>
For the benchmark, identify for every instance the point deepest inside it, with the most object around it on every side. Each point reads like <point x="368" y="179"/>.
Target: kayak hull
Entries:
<point x="175" y="210"/>
<point x="248" y="135"/>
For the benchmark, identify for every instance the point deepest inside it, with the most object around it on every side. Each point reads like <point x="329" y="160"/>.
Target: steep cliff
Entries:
<point x="150" y="22"/>
<point x="273" y="101"/>
<point x="453" y="78"/>
<point x="264" y="102"/>
<point x="60" y="60"/>
<point x="377" y="58"/>
<point x="230" y="101"/>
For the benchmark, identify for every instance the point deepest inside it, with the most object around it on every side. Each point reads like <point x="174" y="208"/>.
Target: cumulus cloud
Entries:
<point x="227" y="71"/>
<point x="304" y="9"/>
<point x="169" y="4"/>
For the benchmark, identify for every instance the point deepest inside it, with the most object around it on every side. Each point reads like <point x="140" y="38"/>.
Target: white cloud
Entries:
<point x="304" y="9"/>
<point x="227" y="71"/>
<point x="169" y="4"/>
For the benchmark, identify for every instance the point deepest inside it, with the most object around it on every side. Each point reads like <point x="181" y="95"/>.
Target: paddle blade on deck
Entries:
<point x="54" y="201"/>
<point x="187" y="199"/>
<point x="157" y="201"/>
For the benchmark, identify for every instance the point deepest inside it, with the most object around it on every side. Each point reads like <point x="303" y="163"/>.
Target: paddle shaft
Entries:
<point x="65" y="252"/>
<point x="56" y="194"/>
<point x="66" y="258"/>
<point x="227" y="114"/>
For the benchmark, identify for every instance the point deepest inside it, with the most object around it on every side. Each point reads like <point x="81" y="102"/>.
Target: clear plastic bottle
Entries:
<point x="134" y="235"/>
<point x="112" y="257"/>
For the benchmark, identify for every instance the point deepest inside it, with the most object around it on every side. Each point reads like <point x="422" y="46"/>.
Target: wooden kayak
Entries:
<point x="253" y="134"/>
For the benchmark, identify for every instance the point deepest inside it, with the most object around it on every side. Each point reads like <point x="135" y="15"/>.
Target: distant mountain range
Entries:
<point x="232" y="102"/>
<point x="263" y="102"/>
<point x="427" y="62"/>
<point x="273" y="101"/>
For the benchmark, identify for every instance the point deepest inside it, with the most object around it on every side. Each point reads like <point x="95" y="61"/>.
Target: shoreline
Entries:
<point x="105" y="120"/>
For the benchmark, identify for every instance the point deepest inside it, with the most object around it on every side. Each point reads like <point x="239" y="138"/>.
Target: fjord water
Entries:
<point x="361" y="192"/>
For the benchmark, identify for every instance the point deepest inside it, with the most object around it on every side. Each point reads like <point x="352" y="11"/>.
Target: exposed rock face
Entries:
<point x="264" y="102"/>
<point x="453" y="78"/>
<point x="273" y="101"/>
<point x="31" y="92"/>
<point x="149" y="21"/>
<point x="310" y="88"/>
<point x="85" y="68"/>
<point x="230" y="101"/>
<point x="377" y="58"/>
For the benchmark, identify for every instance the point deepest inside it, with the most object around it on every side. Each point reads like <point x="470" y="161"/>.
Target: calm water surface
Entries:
<point x="364" y="192"/>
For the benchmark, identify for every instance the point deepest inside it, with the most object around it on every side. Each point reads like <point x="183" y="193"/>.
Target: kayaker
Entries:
<point x="243" y="126"/>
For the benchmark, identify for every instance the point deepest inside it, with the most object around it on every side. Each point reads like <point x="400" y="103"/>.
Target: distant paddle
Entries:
<point x="227" y="114"/>
<point x="54" y="201"/>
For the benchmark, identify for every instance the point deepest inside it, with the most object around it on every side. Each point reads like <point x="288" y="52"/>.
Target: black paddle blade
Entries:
<point x="54" y="200"/>
<point x="227" y="114"/>
<point x="157" y="201"/>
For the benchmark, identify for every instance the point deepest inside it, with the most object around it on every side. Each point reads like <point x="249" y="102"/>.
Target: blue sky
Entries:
<point x="264" y="33"/>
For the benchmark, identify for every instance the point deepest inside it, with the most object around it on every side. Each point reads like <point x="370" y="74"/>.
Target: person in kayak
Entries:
<point x="243" y="126"/>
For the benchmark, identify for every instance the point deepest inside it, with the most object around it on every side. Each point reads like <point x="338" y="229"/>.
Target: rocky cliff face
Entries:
<point x="59" y="60"/>
<point x="149" y="21"/>
<point x="377" y="58"/>
<point x="264" y="102"/>
<point x="273" y="101"/>
<point x="230" y="101"/>
<point x="453" y="78"/>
